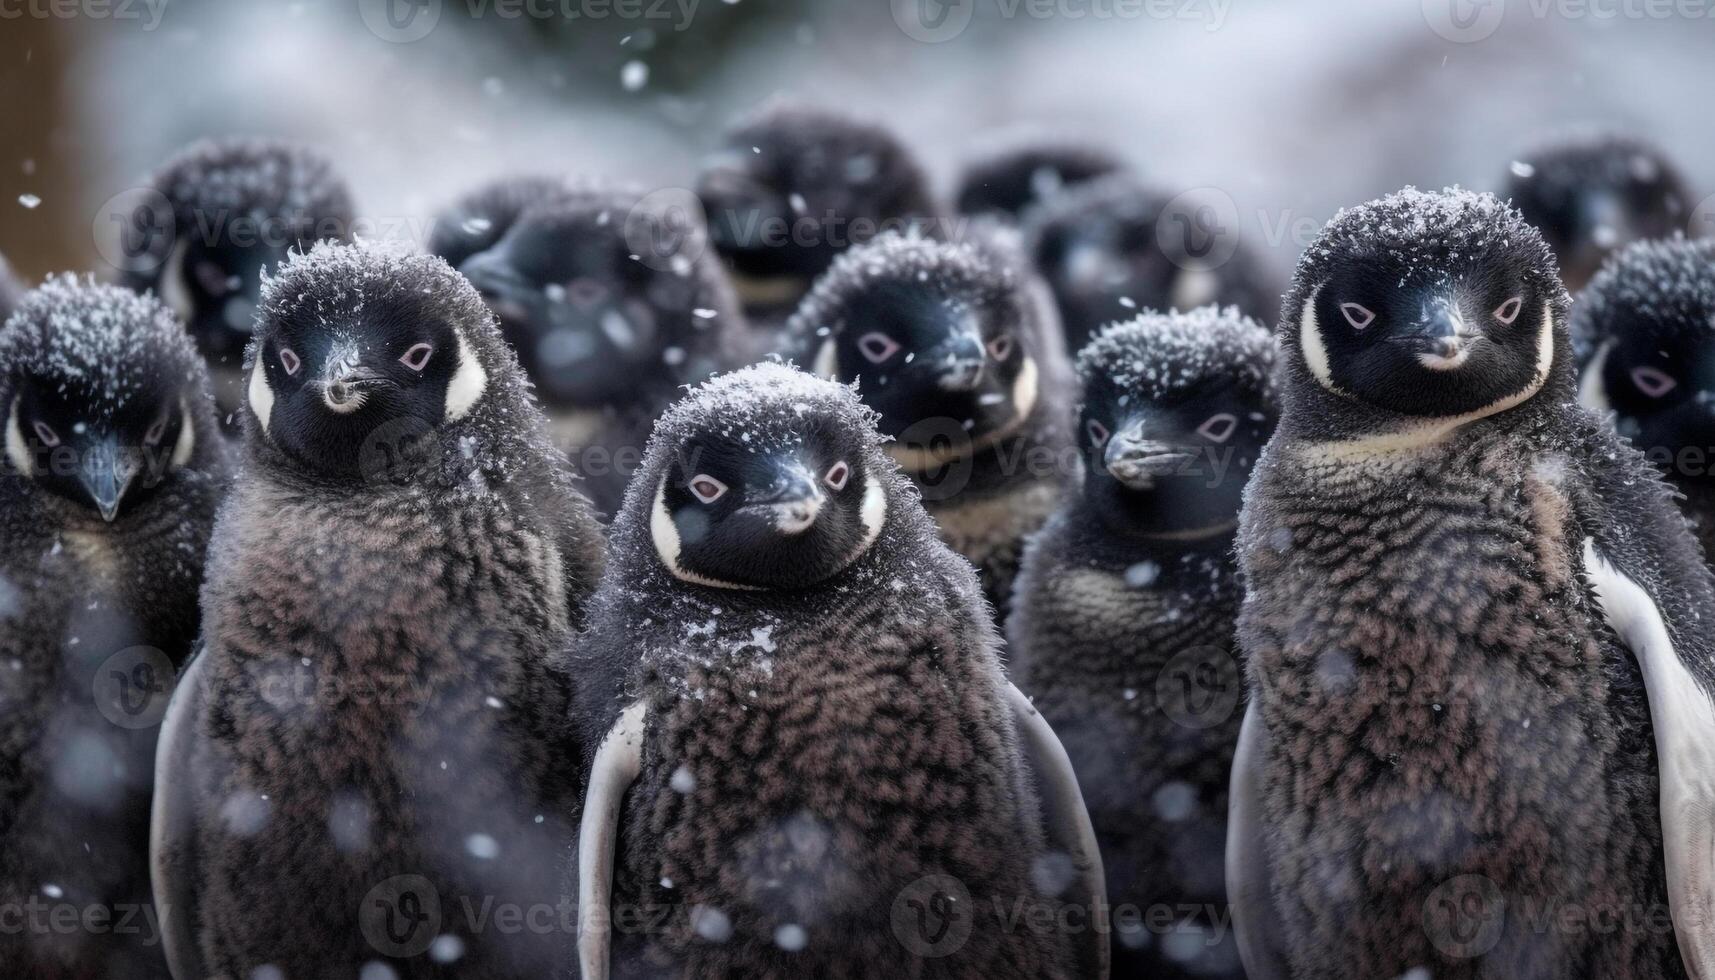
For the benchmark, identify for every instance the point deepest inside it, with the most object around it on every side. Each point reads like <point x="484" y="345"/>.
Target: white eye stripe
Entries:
<point x="1507" y="312"/>
<point x="1358" y="316"/>
<point x="877" y="347"/>
<point x="838" y="475"/>
<point x="1219" y="427"/>
<point x="1653" y="382"/>
<point x="706" y="488"/>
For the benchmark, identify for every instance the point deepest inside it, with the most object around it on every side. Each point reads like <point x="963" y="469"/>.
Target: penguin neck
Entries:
<point x="1113" y="529"/>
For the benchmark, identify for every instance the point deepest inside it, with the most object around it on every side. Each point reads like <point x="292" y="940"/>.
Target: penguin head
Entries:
<point x="1648" y="323"/>
<point x="592" y="319"/>
<point x="354" y="342"/>
<point x="105" y="399"/>
<point x="793" y="186"/>
<point x="1589" y="194"/>
<point x="766" y="478"/>
<point x="1006" y="179"/>
<point x="1176" y="408"/>
<point x="938" y="337"/>
<point x="227" y="211"/>
<point x="1099" y="247"/>
<point x="474" y="222"/>
<point x="1428" y="306"/>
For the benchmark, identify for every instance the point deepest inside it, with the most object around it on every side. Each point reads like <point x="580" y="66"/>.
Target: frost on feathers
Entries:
<point x="1157" y="354"/>
<point x="1665" y="285"/>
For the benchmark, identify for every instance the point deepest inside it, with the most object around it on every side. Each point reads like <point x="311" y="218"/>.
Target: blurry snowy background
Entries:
<point x="1291" y="108"/>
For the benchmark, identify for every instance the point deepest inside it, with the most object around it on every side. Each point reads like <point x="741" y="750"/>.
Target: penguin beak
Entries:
<point x="346" y="380"/>
<point x="959" y="364"/>
<point x="1441" y="337"/>
<point x="106" y="475"/>
<point x="502" y="288"/>
<point x="1137" y="461"/>
<point x="793" y="502"/>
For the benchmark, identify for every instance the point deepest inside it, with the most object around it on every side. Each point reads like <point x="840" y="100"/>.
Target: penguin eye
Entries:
<point x="1650" y="381"/>
<point x="417" y="358"/>
<point x="212" y="278"/>
<point x="706" y="488"/>
<point x="1508" y="312"/>
<point x="1357" y="316"/>
<point x="156" y="431"/>
<point x="837" y="476"/>
<point x="1098" y="433"/>
<point x="47" y="435"/>
<point x="289" y="361"/>
<point x="1218" y="427"/>
<point x="1000" y="348"/>
<point x="877" y="347"/>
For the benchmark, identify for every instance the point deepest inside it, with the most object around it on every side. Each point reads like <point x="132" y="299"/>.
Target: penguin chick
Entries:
<point x="11" y="290"/>
<point x="1474" y="629"/>
<point x="223" y="213"/>
<point x="953" y="345"/>
<point x="113" y="469"/>
<point x="611" y="317"/>
<point x="374" y="738"/>
<point x="1647" y="322"/>
<point x="1590" y="193"/>
<point x="1132" y="589"/>
<point x="476" y="221"/>
<point x="1100" y="248"/>
<point x="1019" y="170"/>
<point x="820" y="768"/>
<point x="792" y="187"/>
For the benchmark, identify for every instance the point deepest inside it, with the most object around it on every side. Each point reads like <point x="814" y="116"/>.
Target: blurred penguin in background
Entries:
<point x="1018" y="169"/>
<point x="612" y="300"/>
<point x="1589" y="193"/>
<point x="11" y="290"/>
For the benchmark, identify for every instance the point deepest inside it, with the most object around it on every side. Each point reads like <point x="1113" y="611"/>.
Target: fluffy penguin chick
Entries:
<point x="1475" y="630"/>
<point x="1017" y="171"/>
<point x="1100" y="246"/>
<point x="1123" y="617"/>
<point x="953" y="346"/>
<point x="1591" y="193"/>
<point x="373" y="742"/>
<point x="823" y="770"/>
<point x="1647" y="327"/>
<point x="223" y="213"/>
<point x="113" y="470"/>
<point x="613" y="306"/>
<point x="792" y="187"/>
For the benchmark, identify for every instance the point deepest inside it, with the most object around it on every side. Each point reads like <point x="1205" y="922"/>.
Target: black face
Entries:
<point x="1661" y="385"/>
<point x="331" y="387"/>
<point x="1424" y="343"/>
<point x="774" y="518"/>
<point x="215" y="286"/>
<point x="1175" y="464"/>
<point x="107" y="461"/>
<point x="585" y="317"/>
<point x="1105" y="264"/>
<point x="917" y="356"/>
<point x="1590" y="202"/>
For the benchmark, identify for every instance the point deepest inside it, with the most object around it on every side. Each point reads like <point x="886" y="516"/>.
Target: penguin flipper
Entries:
<point x="1069" y="826"/>
<point x="1249" y="888"/>
<point x="618" y="760"/>
<point x="172" y="824"/>
<point x="1682" y="716"/>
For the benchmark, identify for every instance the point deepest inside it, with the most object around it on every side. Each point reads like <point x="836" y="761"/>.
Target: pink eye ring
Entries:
<point x="838" y="476"/>
<point x="289" y="360"/>
<point x="417" y="358"/>
<point x="1653" y="382"/>
<point x="1507" y="312"/>
<point x="877" y="347"/>
<point x="48" y="436"/>
<point x="1000" y="348"/>
<point x="1218" y="427"/>
<point x="1098" y="433"/>
<point x="156" y="431"/>
<point x="1358" y="316"/>
<point x="706" y="488"/>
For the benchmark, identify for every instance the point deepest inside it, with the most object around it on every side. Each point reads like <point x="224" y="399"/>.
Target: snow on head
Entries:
<point x="1664" y="288"/>
<point x="1159" y="354"/>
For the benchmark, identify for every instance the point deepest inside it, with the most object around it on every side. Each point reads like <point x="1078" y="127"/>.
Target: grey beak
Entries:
<point x="794" y="501"/>
<point x="106" y="475"/>
<point x="1137" y="462"/>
